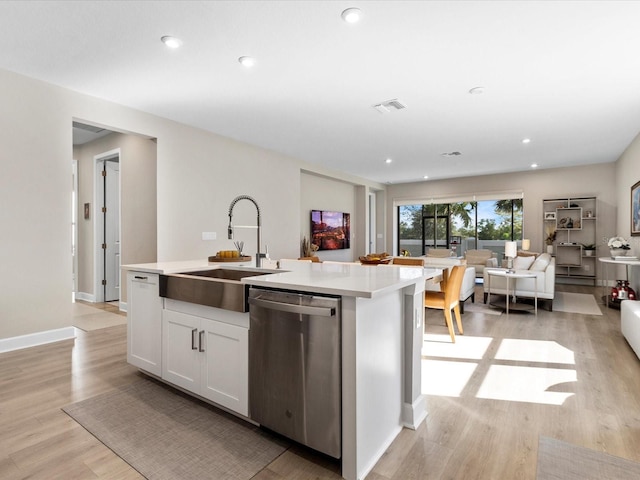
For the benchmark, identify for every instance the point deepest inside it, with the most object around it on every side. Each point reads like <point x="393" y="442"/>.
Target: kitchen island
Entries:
<point x="381" y="330"/>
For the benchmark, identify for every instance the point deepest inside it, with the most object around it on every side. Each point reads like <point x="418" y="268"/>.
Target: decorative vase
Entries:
<point x="550" y="249"/>
<point x="618" y="252"/>
<point x="588" y="253"/>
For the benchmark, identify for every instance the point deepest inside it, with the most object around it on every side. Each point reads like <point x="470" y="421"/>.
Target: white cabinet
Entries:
<point x="204" y="350"/>
<point x="207" y="357"/>
<point x="181" y="359"/>
<point x="144" y="322"/>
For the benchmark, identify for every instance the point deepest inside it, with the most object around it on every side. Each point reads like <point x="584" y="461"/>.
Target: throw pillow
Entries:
<point x="476" y="258"/>
<point x="541" y="263"/>
<point x="523" y="263"/>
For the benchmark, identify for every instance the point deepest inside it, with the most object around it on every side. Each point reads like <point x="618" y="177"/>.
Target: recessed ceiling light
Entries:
<point x="534" y="165"/>
<point x="247" y="61"/>
<point x="476" y="91"/>
<point x="351" y="15"/>
<point x="388" y="160"/>
<point x="171" y="42"/>
<point x="526" y="140"/>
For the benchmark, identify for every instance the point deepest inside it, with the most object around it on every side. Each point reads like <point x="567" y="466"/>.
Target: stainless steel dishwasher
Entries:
<point x="294" y="367"/>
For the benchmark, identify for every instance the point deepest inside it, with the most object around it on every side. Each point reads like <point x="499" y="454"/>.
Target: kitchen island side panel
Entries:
<point x="372" y="402"/>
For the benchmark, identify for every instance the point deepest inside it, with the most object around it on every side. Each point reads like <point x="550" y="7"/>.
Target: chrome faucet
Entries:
<point x="259" y="256"/>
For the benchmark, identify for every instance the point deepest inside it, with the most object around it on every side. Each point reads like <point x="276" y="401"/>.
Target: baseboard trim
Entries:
<point x="86" y="297"/>
<point x="34" y="339"/>
<point x="413" y="414"/>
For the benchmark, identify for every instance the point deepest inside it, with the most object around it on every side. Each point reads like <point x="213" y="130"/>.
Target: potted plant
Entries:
<point x="551" y="237"/>
<point x="308" y="249"/>
<point x="589" y="249"/>
<point x="618" y="246"/>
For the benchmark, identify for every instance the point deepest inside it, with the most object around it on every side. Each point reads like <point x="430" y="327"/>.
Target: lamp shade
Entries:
<point x="510" y="249"/>
<point x="526" y="244"/>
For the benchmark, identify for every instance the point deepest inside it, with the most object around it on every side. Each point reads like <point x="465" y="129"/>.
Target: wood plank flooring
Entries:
<point x="474" y="434"/>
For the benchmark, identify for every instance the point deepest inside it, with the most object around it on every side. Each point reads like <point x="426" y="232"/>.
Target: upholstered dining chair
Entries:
<point x="449" y="299"/>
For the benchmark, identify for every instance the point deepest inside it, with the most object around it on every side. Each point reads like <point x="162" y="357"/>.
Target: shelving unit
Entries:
<point x="574" y="220"/>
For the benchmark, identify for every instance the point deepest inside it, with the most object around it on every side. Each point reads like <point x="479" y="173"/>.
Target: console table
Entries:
<point x="609" y="261"/>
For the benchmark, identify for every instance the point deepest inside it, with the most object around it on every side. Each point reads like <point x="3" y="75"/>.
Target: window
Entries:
<point x="459" y="226"/>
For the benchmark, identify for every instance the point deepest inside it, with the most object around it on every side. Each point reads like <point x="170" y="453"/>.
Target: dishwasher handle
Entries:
<point x="291" y="308"/>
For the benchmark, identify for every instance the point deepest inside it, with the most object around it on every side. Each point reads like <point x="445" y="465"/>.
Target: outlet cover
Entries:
<point x="208" y="235"/>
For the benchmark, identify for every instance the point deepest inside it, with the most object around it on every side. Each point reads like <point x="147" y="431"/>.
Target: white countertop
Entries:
<point x="347" y="280"/>
<point x="182" y="266"/>
<point x="332" y="278"/>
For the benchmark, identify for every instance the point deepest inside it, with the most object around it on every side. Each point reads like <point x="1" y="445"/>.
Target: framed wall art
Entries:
<point x="635" y="209"/>
<point x="330" y="230"/>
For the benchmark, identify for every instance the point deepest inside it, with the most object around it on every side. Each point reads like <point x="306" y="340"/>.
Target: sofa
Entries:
<point x="630" y="323"/>
<point x="467" y="290"/>
<point x="544" y="268"/>
<point x="481" y="259"/>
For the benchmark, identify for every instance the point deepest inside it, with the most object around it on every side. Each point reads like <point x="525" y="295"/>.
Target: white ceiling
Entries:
<point x="565" y="74"/>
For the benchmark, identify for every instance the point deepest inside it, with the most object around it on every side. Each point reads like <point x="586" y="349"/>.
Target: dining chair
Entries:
<point x="416" y="262"/>
<point x="449" y="299"/>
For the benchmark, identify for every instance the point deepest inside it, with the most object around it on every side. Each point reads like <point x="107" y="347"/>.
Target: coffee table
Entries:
<point x="500" y="272"/>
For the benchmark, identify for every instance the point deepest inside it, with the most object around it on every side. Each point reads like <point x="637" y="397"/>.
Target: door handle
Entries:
<point x="201" y="342"/>
<point x="193" y="339"/>
<point x="290" y="308"/>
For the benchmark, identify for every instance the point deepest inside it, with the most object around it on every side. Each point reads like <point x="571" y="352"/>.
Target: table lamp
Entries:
<point x="510" y="251"/>
<point x="526" y="244"/>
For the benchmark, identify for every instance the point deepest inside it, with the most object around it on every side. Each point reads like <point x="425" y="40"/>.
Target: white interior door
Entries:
<point x="112" y="231"/>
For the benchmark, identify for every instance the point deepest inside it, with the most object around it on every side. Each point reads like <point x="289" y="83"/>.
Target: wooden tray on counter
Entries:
<point x="229" y="259"/>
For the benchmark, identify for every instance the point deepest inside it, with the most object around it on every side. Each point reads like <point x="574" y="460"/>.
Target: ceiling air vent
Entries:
<point x="450" y="154"/>
<point x="390" y="105"/>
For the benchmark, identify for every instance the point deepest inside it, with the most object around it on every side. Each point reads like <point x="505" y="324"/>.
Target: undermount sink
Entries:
<point x="224" y="274"/>
<point x="219" y="288"/>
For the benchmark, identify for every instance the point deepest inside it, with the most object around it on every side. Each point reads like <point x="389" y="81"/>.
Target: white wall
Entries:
<point x="627" y="175"/>
<point x="321" y="193"/>
<point x="591" y="180"/>
<point x="198" y="175"/>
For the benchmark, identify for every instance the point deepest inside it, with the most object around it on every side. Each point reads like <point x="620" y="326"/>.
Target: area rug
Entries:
<point x="165" y="434"/>
<point x="576" y="303"/>
<point x="558" y="460"/>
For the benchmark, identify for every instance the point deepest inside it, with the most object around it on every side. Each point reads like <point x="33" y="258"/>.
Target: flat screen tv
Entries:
<point x="330" y="230"/>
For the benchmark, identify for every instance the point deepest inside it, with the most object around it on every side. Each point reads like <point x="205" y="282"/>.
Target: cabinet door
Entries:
<point x="225" y="366"/>
<point x="180" y="350"/>
<point x="144" y="322"/>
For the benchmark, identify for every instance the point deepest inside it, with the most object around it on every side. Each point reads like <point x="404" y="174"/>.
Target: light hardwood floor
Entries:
<point x="487" y="429"/>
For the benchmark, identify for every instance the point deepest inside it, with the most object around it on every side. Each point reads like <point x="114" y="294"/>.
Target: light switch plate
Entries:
<point x="208" y="235"/>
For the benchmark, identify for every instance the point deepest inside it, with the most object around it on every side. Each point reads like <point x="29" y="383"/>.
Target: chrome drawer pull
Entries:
<point x="193" y="339"/>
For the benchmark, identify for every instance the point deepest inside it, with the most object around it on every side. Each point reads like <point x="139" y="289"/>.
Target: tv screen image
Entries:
<point x="330" y="230"/>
